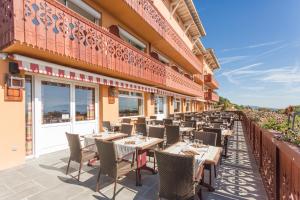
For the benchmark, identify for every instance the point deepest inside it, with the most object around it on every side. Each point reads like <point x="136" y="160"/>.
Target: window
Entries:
<point x="159" y="105"/>
<point x="188" y="106"/>
<point x="84" y="103"/>
<point x="131" y="39"/>
<point x="55" y="102"/>
<point x="177" y="105"/>
<point x="130" y="103"/>
<point x="83" y="9"/>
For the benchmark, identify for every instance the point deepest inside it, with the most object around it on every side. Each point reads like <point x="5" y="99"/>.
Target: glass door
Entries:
<point x="160" y="107"/>
<point x="28" y="116"/>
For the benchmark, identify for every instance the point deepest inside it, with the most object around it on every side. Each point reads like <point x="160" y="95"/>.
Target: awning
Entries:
<point x="36" y="66"/>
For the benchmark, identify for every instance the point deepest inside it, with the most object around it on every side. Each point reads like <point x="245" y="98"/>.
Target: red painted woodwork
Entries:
<point x="210" y="81"/>
<point x="48" y="26"/>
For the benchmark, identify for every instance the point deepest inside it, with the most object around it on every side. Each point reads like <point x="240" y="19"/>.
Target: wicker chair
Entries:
<point x="110" y="164"/>
<point x="218" y="131"/>
<point x="141" y="120"/>
<point x="77" y="153"/>
<point x="141" y="128"/>
<point x="156" y="132"/>
<point x="126" y="120"/>
<point x="158" y="122"/>
<point x="153" y="117"/>
<point x="127" y="129"/>
<point x="167" y="121"/>
<point x="188" y="124"/>
<point x="173" y="135"/>
<point x="208" y="138"/>
<point x="106" y="124"/>
<point x="176" y="176"/>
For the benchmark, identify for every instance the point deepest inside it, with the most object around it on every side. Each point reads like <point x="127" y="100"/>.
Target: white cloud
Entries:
<point x="226" y="60"/>
<point x="264" y="44"/>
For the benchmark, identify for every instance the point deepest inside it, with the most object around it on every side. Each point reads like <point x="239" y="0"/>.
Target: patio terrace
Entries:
<point x="44" y="178"/>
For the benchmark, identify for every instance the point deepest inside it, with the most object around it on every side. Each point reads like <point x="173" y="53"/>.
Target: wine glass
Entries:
<point x="186" y="139"/>
<point x="105" y="129"/>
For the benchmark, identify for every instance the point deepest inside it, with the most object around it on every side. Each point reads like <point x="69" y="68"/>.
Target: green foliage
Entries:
<point x="273" y="124"/>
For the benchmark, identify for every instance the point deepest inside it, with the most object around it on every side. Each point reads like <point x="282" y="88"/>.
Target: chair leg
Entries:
<point x="210" y="174"/>
<point x="199" y="194"/>
<point x="115" y="189"/>
<point x="98" y="181"/>
<point x="68" y="166"/>
<point x="154" y="163"/>
<point x="80" y="166"/>
<point x="215" y="169"/>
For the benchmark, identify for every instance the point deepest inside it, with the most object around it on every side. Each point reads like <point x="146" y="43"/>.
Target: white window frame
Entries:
<point x="175" y="102"/>
<point x="133" y="97"/>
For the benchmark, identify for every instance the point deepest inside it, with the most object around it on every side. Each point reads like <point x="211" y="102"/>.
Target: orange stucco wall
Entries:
<point x="108" y="112"/>
<point x="12" y="127"/>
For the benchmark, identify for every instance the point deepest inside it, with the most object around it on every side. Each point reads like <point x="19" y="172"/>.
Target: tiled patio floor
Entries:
<point x="44" y="178"/>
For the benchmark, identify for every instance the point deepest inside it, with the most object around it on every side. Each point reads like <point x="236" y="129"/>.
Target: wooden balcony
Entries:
<point x="211" y="96"/>
<point x="143" y="17"/>
<point x="198" y="78"/>
<point x="47" y="30"/>
<point x="176" y="80"/>
<point x="210" y="81"/>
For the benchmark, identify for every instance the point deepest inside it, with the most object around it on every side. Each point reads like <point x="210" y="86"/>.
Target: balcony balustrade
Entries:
<point x="211" y="96"/>
<point x="210" y="81"/>
<point x="49" y="28"/>
<point x="154" y="18"/>
<point x="198" y="78"/>
<point x="177" y="80"/>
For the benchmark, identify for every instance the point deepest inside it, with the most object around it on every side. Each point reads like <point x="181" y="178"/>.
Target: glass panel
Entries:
<point x="55" y="102"/>
<point x="130" y="106"/>
<point x="187" y="106"/>
<point x="177" y="105"/>
<point x="159" y="105"/>
<point x="81" y="11"/>
<point x="84" y="103"/>
<point x="28" y="115"/>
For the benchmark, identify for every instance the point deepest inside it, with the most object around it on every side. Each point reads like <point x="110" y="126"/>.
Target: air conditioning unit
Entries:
<point x="15" y="82"/>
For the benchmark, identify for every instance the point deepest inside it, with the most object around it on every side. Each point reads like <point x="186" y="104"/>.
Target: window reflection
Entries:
<point x="55" y="102"/>
<point x="188" y="106"/>
<point x="159" y="105"/>
<point x="130" y="104"/>
<point x="177" y="105"/>
<point x="84" y="103"/>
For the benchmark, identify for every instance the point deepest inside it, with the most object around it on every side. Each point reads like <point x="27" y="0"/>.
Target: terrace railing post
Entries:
<point x="277" y="174"/>
<point x="260" y="149"/>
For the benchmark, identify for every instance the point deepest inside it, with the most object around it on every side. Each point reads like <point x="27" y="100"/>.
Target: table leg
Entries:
<point x="226" y="146"/>
<point x="138" y="170"/>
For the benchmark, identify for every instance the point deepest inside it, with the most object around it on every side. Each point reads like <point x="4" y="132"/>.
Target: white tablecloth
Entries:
<point x="181" y="146"/>
<point x="124" y="149"/>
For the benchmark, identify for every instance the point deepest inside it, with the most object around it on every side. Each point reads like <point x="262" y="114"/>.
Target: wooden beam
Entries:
<point x="177" y="3"/>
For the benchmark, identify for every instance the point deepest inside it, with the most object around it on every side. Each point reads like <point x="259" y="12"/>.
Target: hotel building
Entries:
<point x="68" y="65"/>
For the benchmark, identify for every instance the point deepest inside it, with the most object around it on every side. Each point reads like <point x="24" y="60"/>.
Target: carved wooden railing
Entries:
<point x="154" y="18"/>
<point x="177" y="80"/>
<point x="279" y="161"/>
<point x="211" y="96"/>
<point x="49" y="26"/>
<point x="211" y="81"/>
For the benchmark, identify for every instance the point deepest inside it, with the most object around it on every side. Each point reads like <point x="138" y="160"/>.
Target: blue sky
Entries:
<point x="258" y="45"/>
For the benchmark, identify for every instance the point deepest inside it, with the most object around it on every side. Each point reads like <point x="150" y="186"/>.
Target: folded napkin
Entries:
<point x="190" y="152"/>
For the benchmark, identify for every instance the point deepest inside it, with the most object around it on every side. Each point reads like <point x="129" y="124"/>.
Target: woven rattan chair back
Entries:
<point x="172" y="133"/>
<point x="176" y="176"/>
<point x="208" y="138"/>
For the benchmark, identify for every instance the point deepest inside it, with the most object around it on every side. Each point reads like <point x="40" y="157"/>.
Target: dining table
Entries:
<point x="204" y="154"/>
<point x="140" y="145"/>
<point x="89" y="140"/>
<point x="226" y="133"/>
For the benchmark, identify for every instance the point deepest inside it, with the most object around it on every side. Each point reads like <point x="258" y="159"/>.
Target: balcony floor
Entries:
<point x="44" y="178"/>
